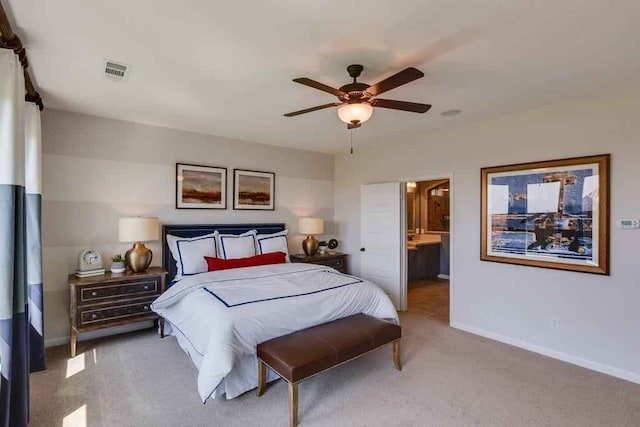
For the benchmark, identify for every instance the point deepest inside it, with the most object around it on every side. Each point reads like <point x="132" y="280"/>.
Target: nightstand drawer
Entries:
<point x="127" y="311"/>
<point x="133" y="289"/>
<point x="337" y="263"/>
<point x="335" y="260"/>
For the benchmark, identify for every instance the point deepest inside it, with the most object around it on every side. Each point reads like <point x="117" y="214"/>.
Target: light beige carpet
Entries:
<point x="450" y="378"/>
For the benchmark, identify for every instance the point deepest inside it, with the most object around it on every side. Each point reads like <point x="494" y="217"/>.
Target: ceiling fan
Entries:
<point x="358" y="99"/>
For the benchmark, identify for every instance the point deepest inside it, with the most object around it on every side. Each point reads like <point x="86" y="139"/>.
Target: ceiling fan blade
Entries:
<point x="317" y="85"/>
<point x="308" y="110"/>
<point x="414" y="107"/>
<point x="403" y="77"/>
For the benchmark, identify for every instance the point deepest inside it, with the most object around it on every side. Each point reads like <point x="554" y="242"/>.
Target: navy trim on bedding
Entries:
<point x="282" y="297"/>
<point x="187" y="338"/>
<point x="250" y="236"/>
<point x="178" y="295"/>
<point x="215" y="248"/>
<point x="197" y="230"/>
<point x="269" y="238"/>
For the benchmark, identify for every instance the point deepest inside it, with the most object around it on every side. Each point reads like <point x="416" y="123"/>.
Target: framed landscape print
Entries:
<point x="200" y="187"/>
<point x="253" y="190"/>
<point x="552" y="214"/>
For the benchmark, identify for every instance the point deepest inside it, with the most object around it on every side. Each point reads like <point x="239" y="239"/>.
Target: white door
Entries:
<point x="382" y="238"/>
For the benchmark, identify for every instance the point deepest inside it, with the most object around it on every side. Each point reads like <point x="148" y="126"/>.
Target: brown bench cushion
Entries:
<point x="305" y="353"/>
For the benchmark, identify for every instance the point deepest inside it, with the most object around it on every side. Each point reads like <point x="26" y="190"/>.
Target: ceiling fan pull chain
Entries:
<point x="351" y="134"/>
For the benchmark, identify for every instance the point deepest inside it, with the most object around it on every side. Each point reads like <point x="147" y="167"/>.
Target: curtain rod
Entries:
<point x="9" y="40"/>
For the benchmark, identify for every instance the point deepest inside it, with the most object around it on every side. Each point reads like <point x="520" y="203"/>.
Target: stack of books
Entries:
<point x="89" y="273"/>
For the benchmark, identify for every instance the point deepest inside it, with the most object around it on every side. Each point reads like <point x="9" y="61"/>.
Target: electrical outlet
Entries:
<point x="554" y="323"/>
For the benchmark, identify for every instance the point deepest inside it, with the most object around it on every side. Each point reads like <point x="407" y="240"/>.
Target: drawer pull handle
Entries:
<point x="146" y="287"/>
<point x="94" y="294"/>
<point x="94" y="316"/>
<point x="146" y="307"/>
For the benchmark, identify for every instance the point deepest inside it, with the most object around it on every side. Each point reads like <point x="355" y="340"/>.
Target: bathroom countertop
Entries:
<point x="423" y="240"/>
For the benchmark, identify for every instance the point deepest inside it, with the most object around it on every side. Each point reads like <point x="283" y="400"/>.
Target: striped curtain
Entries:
<point x="21" y="319"/>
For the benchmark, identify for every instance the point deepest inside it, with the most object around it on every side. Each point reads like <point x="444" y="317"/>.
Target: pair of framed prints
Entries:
<point x="205" y="187"/>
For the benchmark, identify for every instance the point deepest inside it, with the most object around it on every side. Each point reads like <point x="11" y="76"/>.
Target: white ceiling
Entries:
<point x="225" y="67"/>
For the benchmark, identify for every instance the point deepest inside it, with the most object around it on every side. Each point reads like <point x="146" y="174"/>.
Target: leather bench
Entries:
<point x="303" y="354"/>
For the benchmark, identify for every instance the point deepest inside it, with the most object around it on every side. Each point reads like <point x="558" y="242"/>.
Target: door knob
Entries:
<point x="362" y="249"/>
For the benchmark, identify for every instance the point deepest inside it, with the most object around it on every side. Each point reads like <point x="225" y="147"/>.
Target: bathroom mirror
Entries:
<point x="428" y="206"/>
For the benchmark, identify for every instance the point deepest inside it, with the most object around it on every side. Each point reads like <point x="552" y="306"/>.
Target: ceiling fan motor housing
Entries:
<point x="354" y="92"/>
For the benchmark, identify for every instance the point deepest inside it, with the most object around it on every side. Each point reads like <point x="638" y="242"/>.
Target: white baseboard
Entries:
<point x="443" y="276"/>
<point x="594" y="366"/>
<point x="52" y="342"/>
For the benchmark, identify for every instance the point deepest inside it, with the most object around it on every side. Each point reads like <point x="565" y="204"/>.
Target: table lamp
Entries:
<point x="138" y="230"/>
<point x="310" y="226"/>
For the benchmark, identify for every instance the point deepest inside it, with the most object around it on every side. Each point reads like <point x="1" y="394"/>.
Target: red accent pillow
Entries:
<point x="216" y="264"/>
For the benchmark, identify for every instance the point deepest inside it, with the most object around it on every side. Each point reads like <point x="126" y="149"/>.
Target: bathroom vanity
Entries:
<point x="423" y="257"/>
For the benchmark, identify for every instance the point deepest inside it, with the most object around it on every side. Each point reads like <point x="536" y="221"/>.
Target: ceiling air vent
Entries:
<point x="115" y="71"/>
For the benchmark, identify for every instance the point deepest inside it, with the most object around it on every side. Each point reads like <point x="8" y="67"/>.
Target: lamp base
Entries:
<point x="138" y="258"/>
<point x="310" y="246"/>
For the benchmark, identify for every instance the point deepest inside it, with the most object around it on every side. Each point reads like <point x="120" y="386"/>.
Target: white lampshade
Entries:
<point x="360" y="112"/>
<point x="310" y="225"/>
<point x="138" y="229"/>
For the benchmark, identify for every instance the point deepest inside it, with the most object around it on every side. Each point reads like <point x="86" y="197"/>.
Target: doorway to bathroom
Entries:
<point x="428" y="211"/>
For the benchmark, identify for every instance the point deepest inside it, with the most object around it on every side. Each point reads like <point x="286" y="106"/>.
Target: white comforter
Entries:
<point x="220" y="317"/>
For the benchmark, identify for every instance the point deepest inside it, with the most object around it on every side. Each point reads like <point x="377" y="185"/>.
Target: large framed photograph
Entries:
<point x="200" y="187"/>
<point x="552" y="214"/>
<point x="253" y="190"/>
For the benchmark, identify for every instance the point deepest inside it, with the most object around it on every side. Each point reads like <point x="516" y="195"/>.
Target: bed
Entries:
<point x="220" y="317"/>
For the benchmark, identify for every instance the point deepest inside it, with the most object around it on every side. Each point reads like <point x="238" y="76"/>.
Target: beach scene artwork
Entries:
<point x="200" y="187"/>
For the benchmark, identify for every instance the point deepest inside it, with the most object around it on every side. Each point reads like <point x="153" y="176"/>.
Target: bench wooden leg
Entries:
<point x="396" y="355"/>
<point x="293" y="405"/>
<point x="262" y="377"/>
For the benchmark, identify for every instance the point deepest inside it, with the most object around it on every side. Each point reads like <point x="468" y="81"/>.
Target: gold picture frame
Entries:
<point x="550" y="214"/>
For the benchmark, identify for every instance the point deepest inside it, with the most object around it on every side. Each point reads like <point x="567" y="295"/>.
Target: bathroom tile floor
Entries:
<point x="430" y="297"/>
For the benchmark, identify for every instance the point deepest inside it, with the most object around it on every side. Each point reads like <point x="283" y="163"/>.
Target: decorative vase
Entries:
<point x="310" y="245"/>
<point x="138" y="258"/>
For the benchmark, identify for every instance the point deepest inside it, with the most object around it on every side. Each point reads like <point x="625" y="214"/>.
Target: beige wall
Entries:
<point x="598" y="316"/>
<point x="97" y="170"/>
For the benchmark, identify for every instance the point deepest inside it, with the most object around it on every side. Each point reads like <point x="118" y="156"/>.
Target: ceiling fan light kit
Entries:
<point x="358" y="99"/>
<point x="355" y="113"/>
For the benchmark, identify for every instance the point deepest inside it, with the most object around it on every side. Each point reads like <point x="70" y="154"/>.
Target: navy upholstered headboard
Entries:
<point x="194" y="230"/>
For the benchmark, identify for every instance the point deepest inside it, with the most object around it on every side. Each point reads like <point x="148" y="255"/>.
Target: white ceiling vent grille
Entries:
<point x="115" y="71"/>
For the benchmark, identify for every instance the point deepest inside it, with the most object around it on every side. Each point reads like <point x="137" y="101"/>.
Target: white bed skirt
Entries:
<point x="243" y="377"/>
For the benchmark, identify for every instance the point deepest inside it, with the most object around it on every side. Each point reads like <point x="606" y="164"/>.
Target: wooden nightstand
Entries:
<point x="336" y="260"/>
<point x="113" y="299"/>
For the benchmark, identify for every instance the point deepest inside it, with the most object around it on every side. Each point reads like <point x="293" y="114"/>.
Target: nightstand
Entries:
<point x="336" y="260"/>
<point x="113" y="299"/>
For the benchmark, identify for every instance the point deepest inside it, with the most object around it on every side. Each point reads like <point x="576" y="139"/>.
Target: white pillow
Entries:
<point x="237" y="245"/>
<point x="276" y="242"/>
<point x="189" y="253"/>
